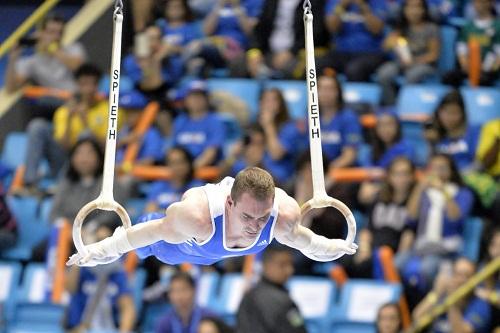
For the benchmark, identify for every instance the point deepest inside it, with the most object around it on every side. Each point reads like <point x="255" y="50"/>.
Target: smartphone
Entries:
<point x="141" y="45"/>
<point x="27" y="41"/>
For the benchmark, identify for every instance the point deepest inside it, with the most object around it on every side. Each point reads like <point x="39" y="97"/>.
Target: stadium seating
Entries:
<point x="206" y="288"/>
<point x="32" y="229"/>
<point x="447" y="57"/>
<point x="231" y="292"/>
<point x="419" y="99"/>
<point x="135" y="207"/>
<point x="10" y="273"/>
<point x="137" y="281"/>
<point x="361" y="92"/>
<point x="314" y="296"/>
<point x="481" y="104"/>
<point x="14" y="149"/>
<point x="473" y="229"/>
<point x="359" y="302"/>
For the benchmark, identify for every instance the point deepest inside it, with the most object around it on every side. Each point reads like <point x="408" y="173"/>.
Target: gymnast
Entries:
<point x="235" y="217"/>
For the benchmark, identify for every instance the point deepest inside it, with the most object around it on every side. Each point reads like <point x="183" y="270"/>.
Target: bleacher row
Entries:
<point x="325" y="306"/>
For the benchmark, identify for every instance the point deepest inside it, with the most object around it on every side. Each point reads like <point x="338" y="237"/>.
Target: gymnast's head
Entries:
<point x="251" y="200"/>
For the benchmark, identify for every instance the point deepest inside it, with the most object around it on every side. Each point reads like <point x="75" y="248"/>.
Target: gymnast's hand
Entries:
<point x="104" y="251"/>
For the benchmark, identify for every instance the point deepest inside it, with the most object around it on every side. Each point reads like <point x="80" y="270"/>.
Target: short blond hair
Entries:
<point x="254" y="181"/>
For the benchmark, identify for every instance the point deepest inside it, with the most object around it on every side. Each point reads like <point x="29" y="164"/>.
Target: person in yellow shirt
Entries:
<point x="85" y="114"/>
<point x="488" y="149"/>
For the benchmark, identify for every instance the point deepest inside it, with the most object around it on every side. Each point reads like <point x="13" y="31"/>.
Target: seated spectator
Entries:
<point x="199" y="130"/>
<point x="388" y="220"/>
<point x="51" y="65"/>
<point x="81" y="184"/>
<point x="227" y="28"/>
<point x="449" y="133"/>
<point x="163" y="193"/>
<point x="184" y="315"/>
<point x="151" y="142"/>
<point x="100" y="296"/>
<point x="282" y="136"/>
<point x="440" y="11"/>
<point x="488" y="148"/>
<point x="389" y="319"/>
<point x="415" y="44"/>
<point x="8" y="224"/>
<point x="246" y="152"/>
<point x="469" y="314"/>
<point x="485" y="28"/>
<point x="357" y="29"/>
<point x="441" y="204"/>
<point x="340" y="128"/>
<point x="387" y="142"/>
<point x="267" y="307"/>
<point x="213" y="325"/>
<point x="277" y="42"/>
<point x="85" y="114"/>
<point x="148" y="66"/>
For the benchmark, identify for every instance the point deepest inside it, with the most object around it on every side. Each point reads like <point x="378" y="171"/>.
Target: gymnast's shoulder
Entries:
<point x="288" y="211"/>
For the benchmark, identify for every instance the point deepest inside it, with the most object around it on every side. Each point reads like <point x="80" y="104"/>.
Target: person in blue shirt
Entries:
<point x="387" y="142"/>
<point x="340" y="128"/>
<point x="150" y="151"/>
<point x="109" y="284"/>
<point x="357" y="28"/>
<point x="440" y="203"/>
<point x="469" y="314"/>
<point x="282" y="136"/>
<point x="227" y="28"/>
<point x="199" y="130"/>
<point x="451" y="134"/>
<point x="184" y="316"/>
<point x="163" y="193"/>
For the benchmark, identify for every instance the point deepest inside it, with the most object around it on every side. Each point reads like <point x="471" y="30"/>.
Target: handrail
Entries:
<point x="462" y="291"/>
<point x="36" y="16"/>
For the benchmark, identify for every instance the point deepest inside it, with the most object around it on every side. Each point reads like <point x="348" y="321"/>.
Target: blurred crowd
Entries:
<point x="419" y="208"/>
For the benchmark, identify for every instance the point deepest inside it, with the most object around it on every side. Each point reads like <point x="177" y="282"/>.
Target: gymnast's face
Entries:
<point x="247" y="215"/>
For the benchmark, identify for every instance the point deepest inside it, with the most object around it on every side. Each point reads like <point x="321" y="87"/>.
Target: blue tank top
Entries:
<point x="214" y="247"/>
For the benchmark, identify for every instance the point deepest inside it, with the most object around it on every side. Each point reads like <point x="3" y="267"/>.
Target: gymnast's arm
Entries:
<point x="288" y="231"/>
<point x="181" y="223"/>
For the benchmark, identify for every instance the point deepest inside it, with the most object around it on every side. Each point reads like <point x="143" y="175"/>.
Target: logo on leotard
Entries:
<point x="263" y="243"/>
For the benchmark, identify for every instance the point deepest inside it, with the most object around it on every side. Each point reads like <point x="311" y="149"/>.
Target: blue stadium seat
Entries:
<point x="137" y="282"/>
<point x="354" y="328"/>
<point x="481" y="104"/>
<point x="361" y="92"/>
<point x="359" y="303"/>
<point x="232" y="127"/>
<point x="420" y="99"/>
<point x="245" y="89"/>
<point x="10" y="273"/>
<point x="14" y="149"/>
<point x="135" y="207"/>
<point x="151" y="315"/>
<point x="315" y="297"/>
<point x="126" y="84"/>
<point x="295" y="94"/>
<point x="473" y="229"/>
<point x="447" y="56"/>
<point x="206" y="288"/>
<point x="32" y="229"/>
<point x="37" y="318"/>
<point x="231" y="292"/>
<point x="33" y="287"/>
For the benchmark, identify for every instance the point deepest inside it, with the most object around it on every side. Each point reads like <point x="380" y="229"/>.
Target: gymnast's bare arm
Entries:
<point x="288" y="231"/>
<point x="184" y="220"/>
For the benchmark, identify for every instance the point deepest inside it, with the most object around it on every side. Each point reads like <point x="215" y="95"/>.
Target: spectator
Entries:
<point x="282" y="136"/>
<point x="163" y="193"/>
<point x="99" y="295"/>
<point x="267" y="307"/>
<point x="485" y="28"/>
<point x="52" y="65"/>
<point x="227" y="27"/>
<point x="488" y="148"/>
<point x="450" y="133"/>
<point x="389" y="319"/>
<point x="80" y="185"/>
<point x="151" y="142"/>
<point x="388" y="223"/>
<point x="468" y="314"/>
<point x="8" y="224"/>
<point x="357" y="28"/>
<point x="387" y="142"/>
<point x="213" y="325"/>
<point x="340" y="128"/>
<point x="441" y="204"/>
<point x="245" y="153"/>
<point x="440" y="11"/>
<point x="84" y="114"/>
<point x="277" y="43"/>
<point x="149" y="67"/>
<point x="199" y="130"/>
<point x="415" y="44"/>
<point x="184" y="315"/>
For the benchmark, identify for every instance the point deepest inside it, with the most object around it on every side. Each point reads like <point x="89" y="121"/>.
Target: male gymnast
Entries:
<point x="235" y="217"/>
